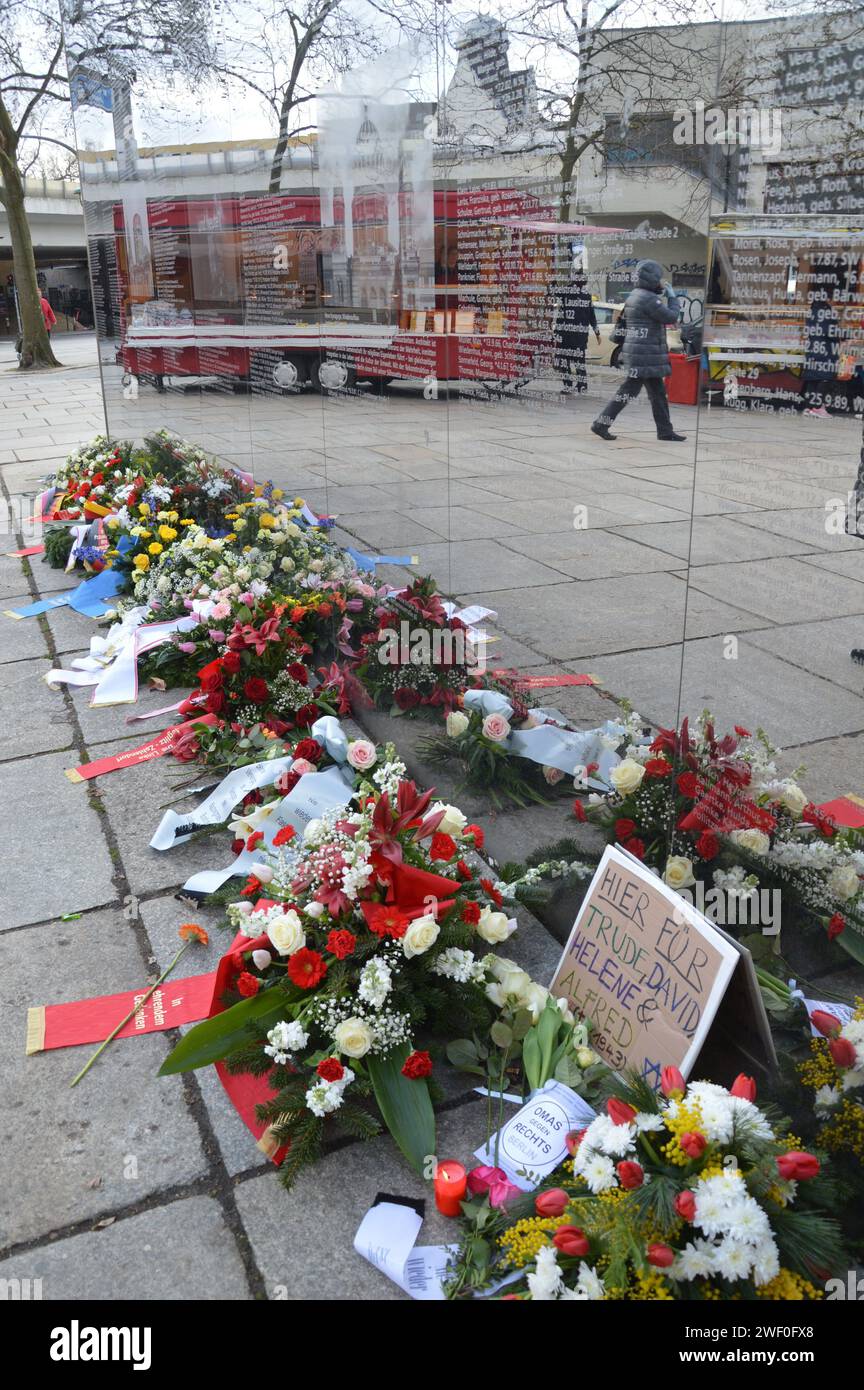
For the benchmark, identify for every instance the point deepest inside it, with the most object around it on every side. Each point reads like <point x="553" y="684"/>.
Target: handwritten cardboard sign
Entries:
<point x="646" y="968"/>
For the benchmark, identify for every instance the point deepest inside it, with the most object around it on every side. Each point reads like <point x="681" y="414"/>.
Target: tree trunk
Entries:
<point x="36" y="345"/>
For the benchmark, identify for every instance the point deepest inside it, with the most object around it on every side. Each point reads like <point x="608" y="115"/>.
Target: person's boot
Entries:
<point x="678" y="438"/>
<point x="602" y="431"/>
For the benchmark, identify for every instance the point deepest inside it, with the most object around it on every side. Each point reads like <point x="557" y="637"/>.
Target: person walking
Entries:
<point x="648" y="309"/>
<point x="575" y="316"/>
<point x="48" y="314"/>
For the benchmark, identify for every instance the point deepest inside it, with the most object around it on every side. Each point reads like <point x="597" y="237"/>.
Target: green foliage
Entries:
<point x="58" y="544"/>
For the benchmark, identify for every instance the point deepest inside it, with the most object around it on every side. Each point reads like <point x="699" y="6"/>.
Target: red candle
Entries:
<point x="451" y="1183"/>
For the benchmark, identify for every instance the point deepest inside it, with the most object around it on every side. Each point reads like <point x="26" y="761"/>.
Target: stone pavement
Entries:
<point x="136" y="1187"/>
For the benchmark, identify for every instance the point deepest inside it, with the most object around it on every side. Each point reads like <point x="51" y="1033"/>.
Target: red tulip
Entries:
<point x="571" y="1241"/>
<point x="661" y="1256"/>
<point x="630" y="1174"/>
<point x="573" y="1139"/>
<point x="843" y="1053"/>
<point x="744" y="1087"/>
<point x="672" y="1083"/>
<point x="685" y="1205"/>
<point x="693" y="1143"/>
<point x="619" y="1112"/>
<point x="551" y="1203"/>
<point x="825" y="1023"/>
<point x="797" y="1166"/>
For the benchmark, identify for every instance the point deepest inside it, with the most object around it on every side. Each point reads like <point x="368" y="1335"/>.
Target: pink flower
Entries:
<point x="301" y="766"/>
<point x="216" y="635"/>
<point x="221" y="610"/>
<point x="553" y="775"/>
<point x="188" y="647"/>
<point x="496" y="728"/>
<point x="362" y="754"/>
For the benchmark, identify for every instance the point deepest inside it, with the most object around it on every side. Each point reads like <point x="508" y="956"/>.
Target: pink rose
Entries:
<point x="362" y="754"/>
<point x="188" y="647"/>
<point x="301" y="766"/>
<point x="553" y="775"/>
<point x="496" y="728"/>
<point x="216" y="635"/>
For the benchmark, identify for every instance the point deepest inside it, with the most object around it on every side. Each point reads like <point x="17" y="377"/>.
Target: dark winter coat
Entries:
<point x="645" y="353"/>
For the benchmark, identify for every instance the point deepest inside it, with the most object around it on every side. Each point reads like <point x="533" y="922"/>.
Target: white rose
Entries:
<point x="794" y="799"/>
<point x="361" y="754"/>
<point x="843" y="881"/>
<point x="511" y="978"/>
<point x="754" y="840"/>
<point x="586" y="1058"/>
<point x="678" y="872"/>
<point x="453" y="822"/>
<point x="353" y="1037"/>
<point x="496" y="728"/>
<point x="421" y="934"/>
<point x="314" y="909"/>
<point x="495" y="927"/>
<point x="457" y="723"/>
<point x="626" y="776"/>
<point x="286" y="933"/>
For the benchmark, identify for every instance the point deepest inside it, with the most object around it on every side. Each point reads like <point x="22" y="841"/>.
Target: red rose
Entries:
<point x="657" y="767"/>
<point x="215" y="702"/>
<point x="744" y="1087"/>
<point x="478" y="835"/>
<point x="471" y="914"/>
<point x="310" y="749"/>
<point x="660" y="1256"/>
<point x="297" y="671"/>
<point x="331" y="1069"/>
<point x="836" y="925"/>
<point x="619" y="1112"/>
<point x="442" y="847"/>
<point x="636" y="848"/>
<point x="570" y="1240"/>
<point x="307" y="968"/>
<point x="256" y="690"/>
<point x="210" y="676"/>
<point x="797" y="1166"/>
<point x="624" y="828"/>
<point x="551" y="1203"/>
<point x="579" y="811"/>
<point x="685" y="1205"/>
<point x="231" y="663"/>
<point x="405" y="698"/>
<point x="825" y="1023"/>
<point x="248" y="984"/>
<point x="341" y="944"/>
<point x="843" y="1053"/>
<point x="630" y="1175"/>
<point x="306" y="716"/>
<point x="284" y="836"/>
<point x="707" y="846"/>
<point x="693" y="1143"/>
<point x="417" y="1065"/>
<point x="688" y="784"/>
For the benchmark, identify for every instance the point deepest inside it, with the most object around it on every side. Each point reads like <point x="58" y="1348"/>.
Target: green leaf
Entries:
<point x="216" y="1037"/>
<point x="521" y="1023"/>
<point x="463" y="1055"/>
<point x="852" y="941"/>
<point x="405" y="1106"/>
<point x="531" y="1059"/>
<point x="500" y="1034"/>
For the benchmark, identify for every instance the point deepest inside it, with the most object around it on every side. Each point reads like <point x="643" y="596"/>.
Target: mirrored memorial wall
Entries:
<point x="777" y="544"/>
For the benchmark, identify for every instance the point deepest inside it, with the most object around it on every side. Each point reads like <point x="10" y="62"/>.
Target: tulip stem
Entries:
<point x="131" y="1014"/>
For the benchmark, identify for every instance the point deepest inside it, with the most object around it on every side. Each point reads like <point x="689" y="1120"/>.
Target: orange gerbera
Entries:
<point x="190" y="931"/>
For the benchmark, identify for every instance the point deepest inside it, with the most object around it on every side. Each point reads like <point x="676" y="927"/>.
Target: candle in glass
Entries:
<point x="451" y="1182"/>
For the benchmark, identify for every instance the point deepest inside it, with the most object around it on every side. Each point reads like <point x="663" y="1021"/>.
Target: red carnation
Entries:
<point x="256" y="690"/>
<point x="477" y="833"/>
<point x="417" y="1065"/>
<point x="624" y="828"/>
<point x="489" y="887"/>
<point x="248" y="984"/>
<point x="297" y="671"/>
<point x="464" y="870"/>
<point x="341" y="944"/>
<point x="579" y="811"/>
<point x="742" y="732"/>
<point x="442" y="847"/>
<point x="688" y="784"/>
<point x="836" y="925"/>
<point x="707" y="846"/>
<point x="471" y="913"/>
<point x="307" y="968"/>
<point x="255" y="839"/>
<point x="331" y="1069"/>
<point x="252" y="889"/>
<point x="657" y="767"/>
<point x="284" y="836"/>
<point x="636" y="848"/>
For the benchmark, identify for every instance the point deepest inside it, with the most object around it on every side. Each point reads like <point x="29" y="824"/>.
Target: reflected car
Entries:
<point x="607" y="315"/>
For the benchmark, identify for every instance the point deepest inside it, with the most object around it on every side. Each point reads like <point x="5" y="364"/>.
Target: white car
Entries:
<point x="607" y="315"/>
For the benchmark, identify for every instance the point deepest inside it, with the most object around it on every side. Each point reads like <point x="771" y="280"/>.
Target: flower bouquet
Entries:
<point x="697" y="807"/>
<point x="694" y="1193"/>
<point x="415" y="657"/>
<point x="367" y="934"/>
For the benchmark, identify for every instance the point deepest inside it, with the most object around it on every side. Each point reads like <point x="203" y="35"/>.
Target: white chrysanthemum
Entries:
<point x="545" y="1282"/>
<point x="733" y="1260"/>
<point x="826" y="1098"/>
<point x="695" y="1261"/>
<point x="646" y="1122"/>
<point x="590" y="1284"/>
<point x="747" y="1222"/>
<point x="609" y="1138"/>
<point x="766" y="1262"/>
<point x="599" y="1173"/>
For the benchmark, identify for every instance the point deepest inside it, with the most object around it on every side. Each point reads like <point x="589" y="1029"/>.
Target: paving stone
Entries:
<point x="132" y="798"/>
<point x="801" y="523"/>
<point x="321" y="1214"/>
<point x="110" y="723"/>
<point x="56" y="858"/>
<point x="21" y="638"/>
<point x="34" y="721"/>
<point x="13" y="574"/>
<point x="594" y="554"/>
<point x="715" y="540"/>
<point x="821" y="648"/>
<point x="174" y="1252"/>
<point x="58" y="1142"/>
<point x="780" y="589"/>
<point x="834" y="766"/>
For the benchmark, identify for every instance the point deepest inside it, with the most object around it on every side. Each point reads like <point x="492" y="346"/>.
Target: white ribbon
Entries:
<point x="564" y="749"/>
<point x="112" y="665"/>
